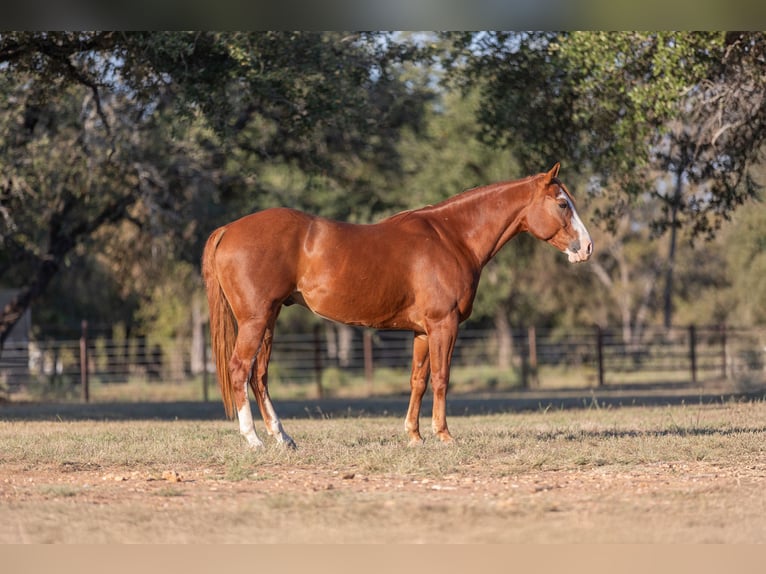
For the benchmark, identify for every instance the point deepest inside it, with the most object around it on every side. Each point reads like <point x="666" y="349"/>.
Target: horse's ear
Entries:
<point x="554" y="171"/>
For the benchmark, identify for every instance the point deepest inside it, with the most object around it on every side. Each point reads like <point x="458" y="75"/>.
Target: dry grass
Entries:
<point x="659" y="474"/>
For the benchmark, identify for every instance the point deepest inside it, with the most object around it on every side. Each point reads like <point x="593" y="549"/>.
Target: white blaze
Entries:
<point x="586" y="244"/>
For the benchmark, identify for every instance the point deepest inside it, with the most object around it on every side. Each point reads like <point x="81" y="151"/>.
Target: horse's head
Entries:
<point x="552" y="217"/>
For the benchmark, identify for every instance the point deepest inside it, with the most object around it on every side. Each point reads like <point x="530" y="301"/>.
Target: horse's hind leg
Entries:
<point x="418" y="382"/>
<point x="261" y="388"/>
<point x="241" y="366"/>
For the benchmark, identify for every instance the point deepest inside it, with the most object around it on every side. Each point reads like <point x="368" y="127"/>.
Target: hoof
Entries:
<point x="290" y="444"/>
<point x="415" y="442"/>
<point x="286" y="441"/>
<point x="445" y="437"/>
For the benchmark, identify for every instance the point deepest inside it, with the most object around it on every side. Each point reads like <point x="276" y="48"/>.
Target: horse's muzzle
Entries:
<point x="580" y="250"/>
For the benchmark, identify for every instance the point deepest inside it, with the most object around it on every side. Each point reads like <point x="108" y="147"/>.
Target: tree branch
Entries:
<point x="60" y="245"/>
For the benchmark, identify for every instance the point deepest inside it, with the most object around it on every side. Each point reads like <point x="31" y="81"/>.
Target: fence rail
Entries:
<point x="532" y="357"/>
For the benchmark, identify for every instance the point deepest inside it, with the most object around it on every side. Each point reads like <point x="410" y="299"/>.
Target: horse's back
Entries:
<point x="352" y="273"/>
<point x="262" y="225"/>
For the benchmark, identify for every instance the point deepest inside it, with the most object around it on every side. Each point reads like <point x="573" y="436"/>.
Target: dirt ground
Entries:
<point x="698" y="498"/>
<point x="657" y="503"/>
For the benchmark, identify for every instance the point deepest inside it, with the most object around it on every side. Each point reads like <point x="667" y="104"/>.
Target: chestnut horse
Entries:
<point x="417" y="270"/>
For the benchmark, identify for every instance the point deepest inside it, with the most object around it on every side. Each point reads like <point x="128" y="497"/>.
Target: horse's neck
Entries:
<point x="487" y="217"/>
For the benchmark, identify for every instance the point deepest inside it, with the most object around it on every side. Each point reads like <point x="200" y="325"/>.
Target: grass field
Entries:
<point x="660" y="474"/>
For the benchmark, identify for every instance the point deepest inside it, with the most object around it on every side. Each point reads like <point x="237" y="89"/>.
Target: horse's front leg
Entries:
<point x="441" y="336"/>
<point x="261" y="390"/>
<point x="418" y="380"/>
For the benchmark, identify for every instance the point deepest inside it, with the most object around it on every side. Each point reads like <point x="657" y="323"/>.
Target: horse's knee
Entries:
<point x="418" y="385"/>
<point x="439" y="386"/>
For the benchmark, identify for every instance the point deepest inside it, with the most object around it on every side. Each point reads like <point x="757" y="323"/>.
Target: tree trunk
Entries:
<point x="197" y="359"/>
<point x="16" y="307"/>
<point x="340" y="340"/>
<point x="60" y="244"/>
<point x="504" y="339"/>
<point x="668" y="293"/>
<point x="345" y="340"/>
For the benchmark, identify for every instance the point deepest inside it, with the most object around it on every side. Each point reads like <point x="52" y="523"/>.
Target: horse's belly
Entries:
<point x="361" y="307"/>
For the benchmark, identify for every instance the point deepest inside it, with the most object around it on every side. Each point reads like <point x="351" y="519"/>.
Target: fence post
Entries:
<point x="369" y="371"/>
<point x="600" y="354"/>
<point x="524" y="356"/>
<point x="205" y="377"/>
<point x="84" y="362"/>
<point x="724" y="370"/>
<point x="693" y="353"/>
<point x="318" y="361"/>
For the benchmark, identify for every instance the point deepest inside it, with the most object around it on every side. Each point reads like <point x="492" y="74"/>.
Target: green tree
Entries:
<point x="745" y="252"/>
<point x="171" y="132"/>
<point x="627" y="267"/>
<point x="630" y="109"/>
<point x="723" y="282"/>
<point x="527" y="281"/>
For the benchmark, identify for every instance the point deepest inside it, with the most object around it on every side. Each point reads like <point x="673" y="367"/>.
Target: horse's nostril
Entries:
<point x="589" y="248"/>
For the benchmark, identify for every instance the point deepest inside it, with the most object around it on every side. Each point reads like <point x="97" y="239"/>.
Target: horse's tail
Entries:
<point x="223" y="329"/>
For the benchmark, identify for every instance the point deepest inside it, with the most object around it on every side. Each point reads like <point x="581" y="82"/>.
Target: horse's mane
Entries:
<point x="469" y="194"/>
<point x="400" y="215"/>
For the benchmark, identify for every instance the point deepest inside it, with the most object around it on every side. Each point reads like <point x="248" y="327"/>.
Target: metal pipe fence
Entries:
<point x="532" y="357"/>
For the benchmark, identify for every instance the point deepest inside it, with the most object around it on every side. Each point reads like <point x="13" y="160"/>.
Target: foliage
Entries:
<point x="746" y="253"/>
<point x="628" y="108"/>
<point x="675" y="119"/>
<point x="121" y="151"/>
<point x="168" y="132"/>
<point x="526" y="94"/>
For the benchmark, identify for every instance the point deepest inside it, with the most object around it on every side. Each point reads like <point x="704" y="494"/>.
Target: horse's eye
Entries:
<point x="563" y="204"/>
